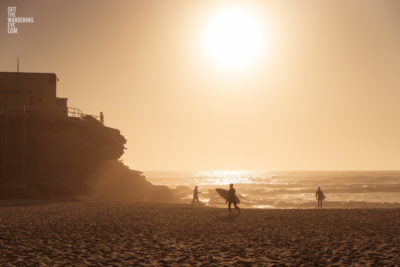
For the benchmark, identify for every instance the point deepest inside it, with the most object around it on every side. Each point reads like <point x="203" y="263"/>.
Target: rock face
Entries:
<point x="68" y="157"/>
<point x="116" y="181"/>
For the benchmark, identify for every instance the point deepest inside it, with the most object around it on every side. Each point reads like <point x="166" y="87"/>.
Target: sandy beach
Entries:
<point x="84" y="233"/>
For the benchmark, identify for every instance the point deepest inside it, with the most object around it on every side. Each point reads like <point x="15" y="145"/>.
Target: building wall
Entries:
<point x="39" y="90"/>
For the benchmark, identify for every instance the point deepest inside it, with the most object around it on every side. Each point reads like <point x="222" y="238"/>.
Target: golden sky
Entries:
<point x="321" y="91"/>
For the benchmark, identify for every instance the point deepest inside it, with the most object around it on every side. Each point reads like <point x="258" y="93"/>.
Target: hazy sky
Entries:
<point x="323" y="92"/>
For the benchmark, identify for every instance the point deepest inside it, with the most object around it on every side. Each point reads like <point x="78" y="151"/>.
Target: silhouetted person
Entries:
<point x="232" y="199"/>
<point x="319" y="195"/>
<point x="102" y="118"/>
<point x="196" y="195"/>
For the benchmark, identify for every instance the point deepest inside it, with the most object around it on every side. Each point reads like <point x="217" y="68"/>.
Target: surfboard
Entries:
<point x="225" y="194"/>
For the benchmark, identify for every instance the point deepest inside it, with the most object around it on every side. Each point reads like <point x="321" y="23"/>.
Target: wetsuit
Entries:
<point x="320" y="196"/>
<point x="195" y="196"/>
<point x="232" y="199"/>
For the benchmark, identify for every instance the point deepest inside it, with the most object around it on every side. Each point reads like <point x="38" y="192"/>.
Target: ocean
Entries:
<point x="259" y="189"/>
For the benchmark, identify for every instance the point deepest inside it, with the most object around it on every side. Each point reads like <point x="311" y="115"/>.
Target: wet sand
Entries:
<point x="81" y="233"/>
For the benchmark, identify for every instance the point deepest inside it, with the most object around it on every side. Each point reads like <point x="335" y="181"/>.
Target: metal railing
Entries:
<point x="70" y="112"/>
<point x="77" y="113"/>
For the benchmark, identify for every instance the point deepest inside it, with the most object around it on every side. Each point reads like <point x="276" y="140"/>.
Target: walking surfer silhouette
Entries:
<point x="196" y="195"/>
<point x="232" y="199"/>
<point x="319" y="195"/>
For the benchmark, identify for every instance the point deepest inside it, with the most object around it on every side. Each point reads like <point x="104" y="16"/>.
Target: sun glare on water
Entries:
<point x="226" y="177"/>
<point x="234" y="38"/>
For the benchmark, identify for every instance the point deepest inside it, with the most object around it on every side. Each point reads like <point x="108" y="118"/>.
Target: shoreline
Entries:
<point x="26" y="202"/>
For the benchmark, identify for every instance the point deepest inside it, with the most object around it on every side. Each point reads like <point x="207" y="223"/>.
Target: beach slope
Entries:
<point x="121" y="233"/>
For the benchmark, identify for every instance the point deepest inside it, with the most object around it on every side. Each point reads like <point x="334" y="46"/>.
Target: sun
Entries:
<point x="234" y="38"/>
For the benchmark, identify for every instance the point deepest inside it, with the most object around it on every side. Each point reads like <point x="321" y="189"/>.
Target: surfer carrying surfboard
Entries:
<point x="319" y="195"/>
<point x="232" y="199"/>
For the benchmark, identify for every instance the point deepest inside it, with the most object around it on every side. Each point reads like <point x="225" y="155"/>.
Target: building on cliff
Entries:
<point x="36" y="92"/>
<point x="43" y="142"/>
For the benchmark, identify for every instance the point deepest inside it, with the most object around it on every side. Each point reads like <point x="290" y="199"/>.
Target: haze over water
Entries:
<point x="343" y="189"/>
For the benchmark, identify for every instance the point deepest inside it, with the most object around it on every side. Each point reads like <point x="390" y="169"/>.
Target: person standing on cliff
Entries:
<point x="196" y="195"/>
<point x="102" y="118"/>
<point x="319" y="195"/>
<point x="232" y="199"/>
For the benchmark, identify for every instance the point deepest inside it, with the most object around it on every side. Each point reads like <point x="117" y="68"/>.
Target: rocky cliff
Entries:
<point x="69" y="157"/>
